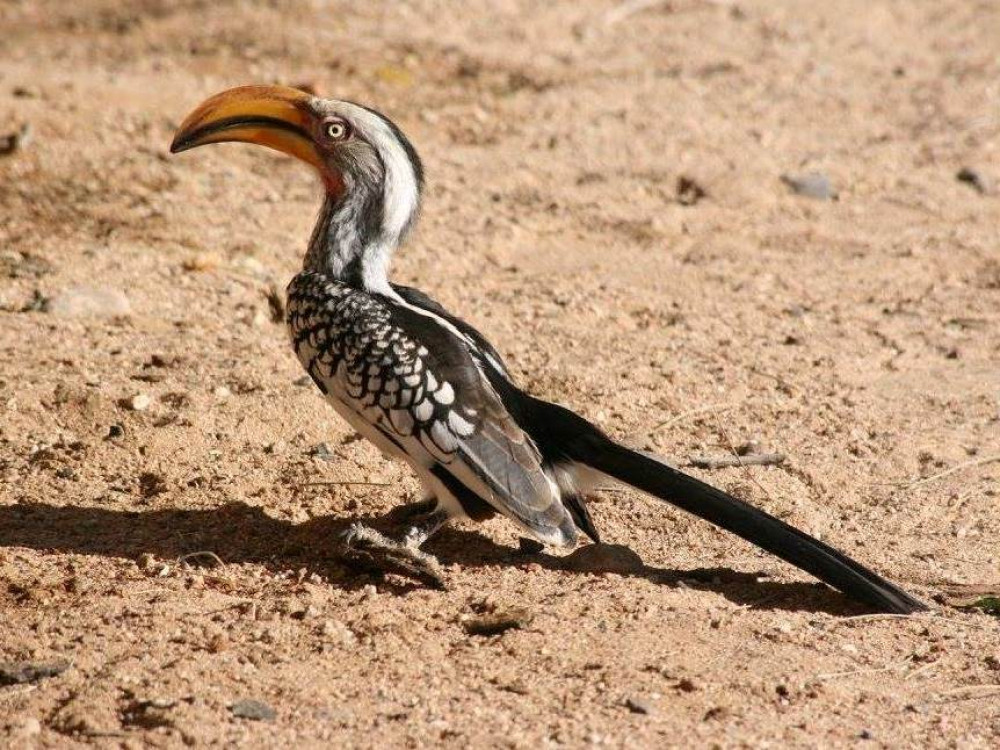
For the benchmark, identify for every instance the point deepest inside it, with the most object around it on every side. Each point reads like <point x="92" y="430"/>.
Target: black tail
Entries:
<point x="652" y="475"/>
<point x="563" y="435"/>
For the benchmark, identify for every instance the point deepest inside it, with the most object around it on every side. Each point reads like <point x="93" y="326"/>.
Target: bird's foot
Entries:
<point x="382" y="552"/>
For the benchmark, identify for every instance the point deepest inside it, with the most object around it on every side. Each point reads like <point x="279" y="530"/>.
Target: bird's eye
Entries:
<point x="337" y="130"/>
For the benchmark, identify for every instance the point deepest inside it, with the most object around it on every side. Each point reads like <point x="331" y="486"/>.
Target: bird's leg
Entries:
<point x="377" y="548"/>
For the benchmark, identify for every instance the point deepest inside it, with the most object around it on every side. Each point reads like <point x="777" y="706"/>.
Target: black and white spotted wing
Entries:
<point x="397" y="369"/>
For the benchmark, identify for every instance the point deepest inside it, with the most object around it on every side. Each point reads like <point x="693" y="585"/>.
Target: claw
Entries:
<point x="383" y="552"/>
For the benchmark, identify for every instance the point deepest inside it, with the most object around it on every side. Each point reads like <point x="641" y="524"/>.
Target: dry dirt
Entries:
<point x="858" y="336"/>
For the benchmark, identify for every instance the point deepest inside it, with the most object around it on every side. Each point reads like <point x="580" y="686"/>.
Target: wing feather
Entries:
<point x="493" y="456"/>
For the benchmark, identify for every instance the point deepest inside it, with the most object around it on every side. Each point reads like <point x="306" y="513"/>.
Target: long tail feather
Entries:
<point x="566" y="436"/>
<point x="651" y="475"/>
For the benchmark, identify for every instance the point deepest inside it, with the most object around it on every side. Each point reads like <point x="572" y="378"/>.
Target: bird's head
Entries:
<point x="354" y="149"/>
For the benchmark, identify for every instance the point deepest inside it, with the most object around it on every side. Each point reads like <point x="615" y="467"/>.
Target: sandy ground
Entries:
<point x="858" y="336"/>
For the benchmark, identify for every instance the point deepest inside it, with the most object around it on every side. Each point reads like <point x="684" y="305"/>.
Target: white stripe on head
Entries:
<point x="401" y="189"/>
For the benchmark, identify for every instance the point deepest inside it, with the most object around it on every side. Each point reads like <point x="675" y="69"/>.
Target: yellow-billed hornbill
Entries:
<point x="425" y="386"/>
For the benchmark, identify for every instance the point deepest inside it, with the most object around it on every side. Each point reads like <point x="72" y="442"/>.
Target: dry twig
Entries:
<point x="345" y="484"/>
<point x="969" y="692"/>
<point x="953" y="470"/>
<point x="723" y="462"/>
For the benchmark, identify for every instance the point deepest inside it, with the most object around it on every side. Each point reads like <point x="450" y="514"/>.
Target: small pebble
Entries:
<point x="322" y="451"/>
<point x="639" y="705"/>
<point x="15" y="141"/>
<point x="140" y="402"/>
<point x="116" y="431"/>
<point x="687" y="685"/>
<point x="716" y="713"/>
<point x="498" y="622"/>
<point x="162" y="360"/>
<point x="337" y="632"/>
<point x="811" y="185"/>
<point x="253" y="710"/>
<point x="222" y="392"/>
<point x="689" y="191"/>
<point x="261" y="318"/>
<point x="976" y="179"/>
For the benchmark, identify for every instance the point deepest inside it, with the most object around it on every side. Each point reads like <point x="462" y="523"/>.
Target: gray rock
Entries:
<point x="88" y="301"/>
<point x="322" y="451"/>
<point x="253" y="710"/>
<point x="811" y="185"/>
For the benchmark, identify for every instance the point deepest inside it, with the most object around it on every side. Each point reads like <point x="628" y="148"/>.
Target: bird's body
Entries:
<point x="426" y="387"/>
<point x="410" y="382"/>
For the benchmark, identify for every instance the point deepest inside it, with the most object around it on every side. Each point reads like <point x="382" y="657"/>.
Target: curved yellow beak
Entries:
<point x="278" y="117"/>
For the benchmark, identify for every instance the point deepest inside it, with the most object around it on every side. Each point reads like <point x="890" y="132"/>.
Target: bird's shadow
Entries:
<point x="238" y="532"/>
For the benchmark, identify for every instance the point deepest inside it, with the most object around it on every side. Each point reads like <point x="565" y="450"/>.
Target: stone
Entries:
<point x="976" y="179"/>
<point x="498" y="622"/>
<point x="253" y="710"/>
<point x="639" y="705"/>
<point x="811" y="185"/>
<point x="88" y="302"/>
<point x="140" y="402"/>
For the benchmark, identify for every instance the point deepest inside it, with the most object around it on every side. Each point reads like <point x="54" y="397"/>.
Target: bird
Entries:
<point x="428" y="388"/>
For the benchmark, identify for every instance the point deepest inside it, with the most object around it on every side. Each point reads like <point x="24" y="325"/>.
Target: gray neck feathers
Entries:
<point x="357" y="231"/>
<point x="348" y="243"/>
